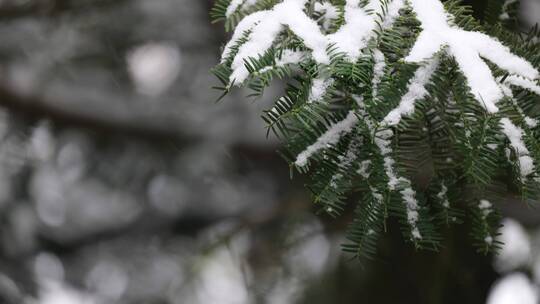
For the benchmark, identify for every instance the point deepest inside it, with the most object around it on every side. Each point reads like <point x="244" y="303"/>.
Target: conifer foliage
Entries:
<point x="382" y="91"/>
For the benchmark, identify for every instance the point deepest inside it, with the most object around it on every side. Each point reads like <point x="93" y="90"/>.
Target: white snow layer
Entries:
<point x="360" y="24"/>
<point x="467" y="48"/>
<point x="288" y="13"/>
<point x="328" y="9"/>
<point x="443" y="196"/>
<point x="378" y="71"/>
<point x="485" y="206"/>
<point x="416" y="91"/>
<point x="290" y="56"/>
<point x="328" y="13"/>
<point x="243" y="26"/>
<point x="351" y="38"/>
<point x="363" y="170"/>
<point x="287" y="57"/>
<point x="523" y="82"/>
<point x="331" y="136"/>
<point x="382" y="140"/>
<point x="235" y="5"/>
<point x="345" y="161"/>
<point x="515" y="136"/>
<point x="319" y="87"/>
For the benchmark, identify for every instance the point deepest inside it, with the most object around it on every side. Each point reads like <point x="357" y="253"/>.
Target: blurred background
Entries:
<point x="122" y="181"/>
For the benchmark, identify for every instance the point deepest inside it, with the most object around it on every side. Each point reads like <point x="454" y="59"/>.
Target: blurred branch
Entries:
<point x="38" y="109"/>
<point x="50" y="7"/>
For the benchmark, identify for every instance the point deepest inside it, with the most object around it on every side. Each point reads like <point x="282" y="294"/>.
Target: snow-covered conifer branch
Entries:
<point x="351" y="38"/>
<point x="382" y="139"/>
<point x="356" y="57"/>
<point x="467" y="48"/>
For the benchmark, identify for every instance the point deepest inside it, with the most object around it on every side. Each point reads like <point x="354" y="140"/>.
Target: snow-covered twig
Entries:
<point x="235" y="5"/>
<point x="347" y="160"/>
<point x="382" y="140"/>
<point x="415" y="91"/>
<point x="331" y="136"/>
<point x="528" y="84"/>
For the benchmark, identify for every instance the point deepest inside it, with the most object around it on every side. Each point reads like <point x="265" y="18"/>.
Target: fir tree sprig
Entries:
<point x="382" y="91"/>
